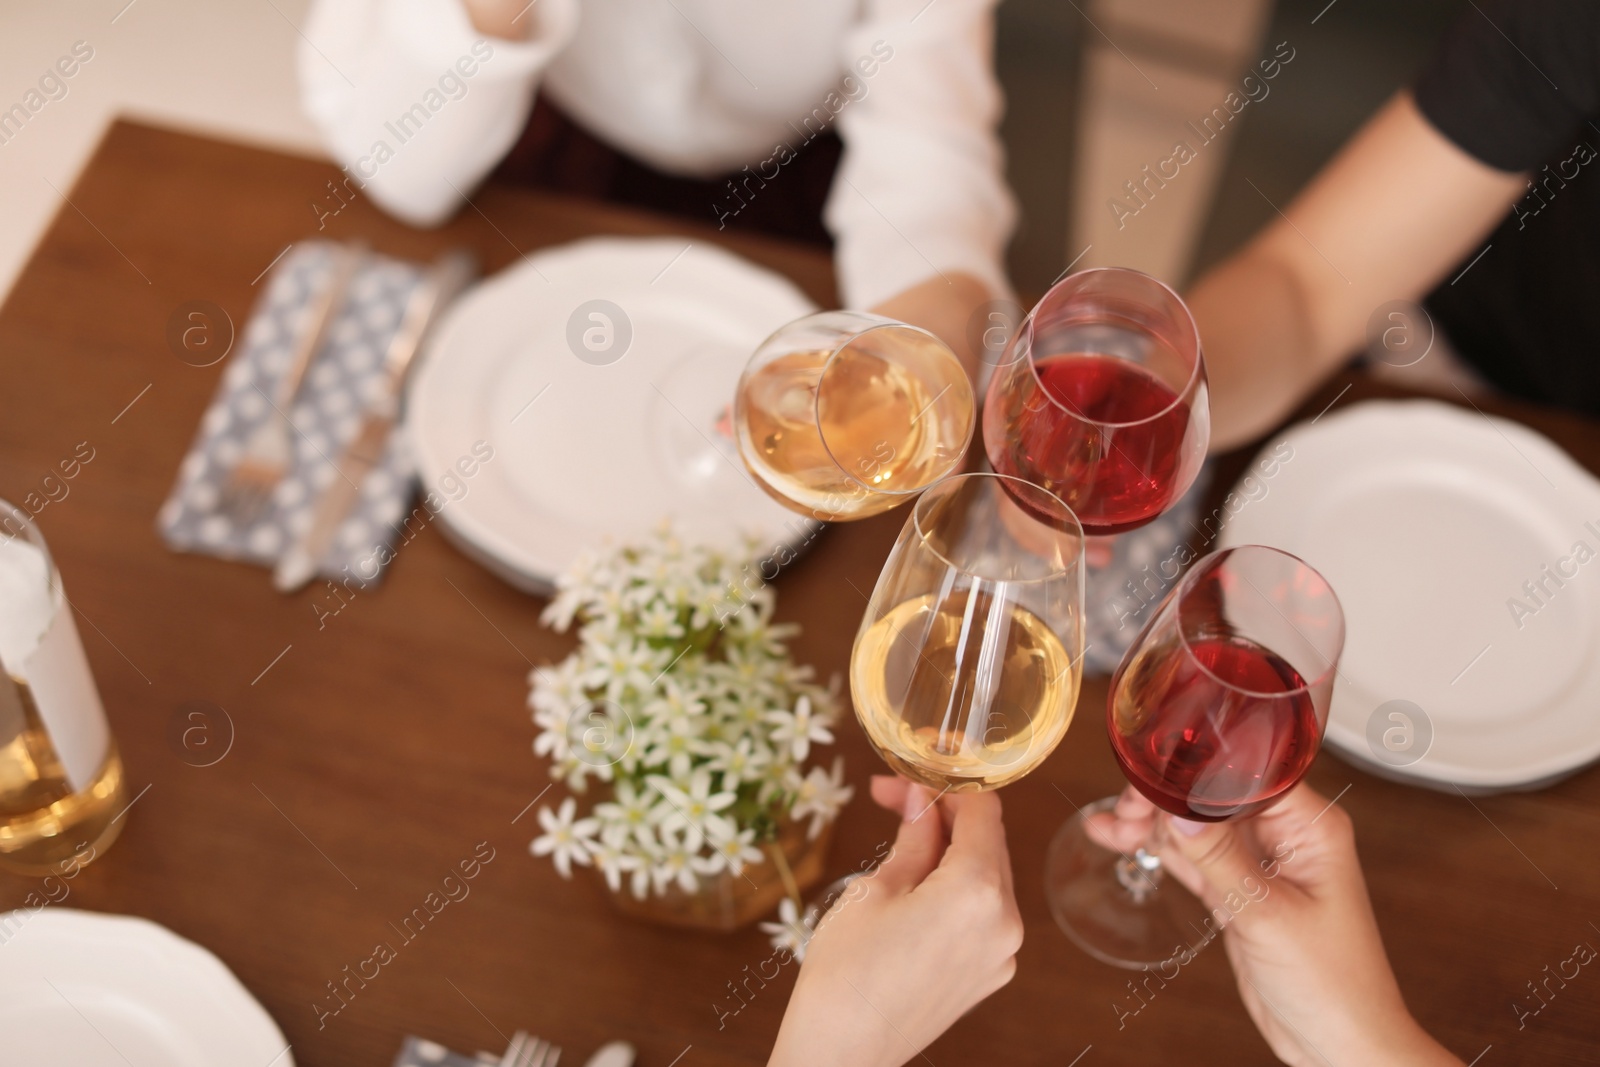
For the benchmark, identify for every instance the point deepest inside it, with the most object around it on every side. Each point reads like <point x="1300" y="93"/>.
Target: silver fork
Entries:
<point x="266" y="455"/>
<point x="528" y="1051"/>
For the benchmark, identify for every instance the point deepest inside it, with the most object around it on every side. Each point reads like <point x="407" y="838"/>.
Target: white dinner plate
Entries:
<point x="590" y="442"/>
<point x="81" y="989"/>
<point x="1428" y="519"/>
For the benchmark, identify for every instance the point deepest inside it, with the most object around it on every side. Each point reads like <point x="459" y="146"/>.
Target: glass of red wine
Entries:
<point x="1102" y="399"/>
<point x="1215" y="712"/>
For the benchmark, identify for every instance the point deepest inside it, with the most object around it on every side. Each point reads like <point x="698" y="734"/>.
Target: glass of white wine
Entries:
<point x="843" y="414"/>
<point x="966" y="668"/>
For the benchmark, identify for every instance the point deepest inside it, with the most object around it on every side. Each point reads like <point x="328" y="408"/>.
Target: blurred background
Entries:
<point x="1096" y="89"/>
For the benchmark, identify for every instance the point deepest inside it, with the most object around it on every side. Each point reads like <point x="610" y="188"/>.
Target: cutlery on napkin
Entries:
<point x="346" y="375"/>
<point x="448" y="276"/>
<point x="260" y="469"/>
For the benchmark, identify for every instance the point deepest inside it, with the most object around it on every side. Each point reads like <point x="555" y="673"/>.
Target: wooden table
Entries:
<point x="372" y="755"/>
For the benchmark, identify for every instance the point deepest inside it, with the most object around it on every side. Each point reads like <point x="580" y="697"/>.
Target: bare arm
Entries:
<point x="944" y="306"/>
<point x="1384" y="220"/>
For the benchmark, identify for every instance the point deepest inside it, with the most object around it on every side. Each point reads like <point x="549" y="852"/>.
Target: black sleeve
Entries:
<point x="1514" y="80"/>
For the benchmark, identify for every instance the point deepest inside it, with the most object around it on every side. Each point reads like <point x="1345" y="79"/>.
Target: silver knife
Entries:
<point x="449" y="274"/>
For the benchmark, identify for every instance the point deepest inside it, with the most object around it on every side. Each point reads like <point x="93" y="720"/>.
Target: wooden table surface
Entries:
<point x="377" y="752"/>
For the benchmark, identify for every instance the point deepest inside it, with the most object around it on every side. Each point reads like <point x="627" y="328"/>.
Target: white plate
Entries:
<point x="1427" y="519"/>
<point x="90" y="990"/>
<point x="585" y="450"/>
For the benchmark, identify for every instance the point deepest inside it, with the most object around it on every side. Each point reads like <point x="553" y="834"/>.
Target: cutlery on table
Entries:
<point x="528" y="1051"/>
<point x="612" y="1054"/>
<point x="417" y="1053"/>
<point x="267" y="451"/>
<point x="446" y="278"/>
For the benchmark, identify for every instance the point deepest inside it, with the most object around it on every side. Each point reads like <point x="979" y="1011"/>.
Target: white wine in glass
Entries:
<point x="842" y="415"/>
<point x="62" y="787"/>
<point x="966" y="668"/>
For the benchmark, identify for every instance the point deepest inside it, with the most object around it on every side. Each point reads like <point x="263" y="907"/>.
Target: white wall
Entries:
<point x="218" y="66"/>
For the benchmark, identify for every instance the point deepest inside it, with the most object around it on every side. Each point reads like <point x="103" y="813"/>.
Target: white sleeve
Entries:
<point x="921" y="187"/>
<point x="416" y="103"/>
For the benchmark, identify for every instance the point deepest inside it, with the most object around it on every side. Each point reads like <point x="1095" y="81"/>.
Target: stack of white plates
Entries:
<point x="600" y="374"/>
<point x="89" y="990"/>
<point x="1466" y="552"/>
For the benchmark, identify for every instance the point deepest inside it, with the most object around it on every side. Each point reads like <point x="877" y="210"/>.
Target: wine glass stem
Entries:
<point x="1141" y="873"/>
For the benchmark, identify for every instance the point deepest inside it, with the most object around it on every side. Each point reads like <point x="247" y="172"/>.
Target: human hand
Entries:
<point x="944" y="306"/>
<point x="1298" y="926"/>
<point x="912" y="947"/>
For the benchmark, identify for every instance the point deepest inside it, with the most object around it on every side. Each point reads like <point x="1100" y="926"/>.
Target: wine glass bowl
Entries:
<point x="1102" y="399"/>
<point x="1220" y="707"/>
<point x="966" y="667"/>
<point x="843" y="414"/>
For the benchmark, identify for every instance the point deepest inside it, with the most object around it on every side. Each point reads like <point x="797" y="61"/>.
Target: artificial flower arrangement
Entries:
<point x="682" y="697"/>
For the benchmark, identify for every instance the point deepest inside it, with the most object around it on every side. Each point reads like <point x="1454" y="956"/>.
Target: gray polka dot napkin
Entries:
<point x="342" y="381"/>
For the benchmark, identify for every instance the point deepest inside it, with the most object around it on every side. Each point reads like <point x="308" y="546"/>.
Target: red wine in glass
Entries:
<point x="1217" y="730"/>
<point x="1103" y="400"/>
<point x="1120" y="479"/>
<point x="1215" y="713"/>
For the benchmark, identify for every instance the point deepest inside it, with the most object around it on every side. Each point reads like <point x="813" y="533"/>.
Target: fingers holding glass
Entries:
<point x="1215" y="713"/>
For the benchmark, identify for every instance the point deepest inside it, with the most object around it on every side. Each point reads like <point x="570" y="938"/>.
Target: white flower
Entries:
<point x="749" y="670"/>
<point x="563" y="839"/>
<point x="755" y="632"/>
<point x="660" y="619"/>
<point x="630" y="811"/>
<point x="737" y="763"/>
<point x="556" y="686"/>
<point x="582" y="582"/>
<point x="749" y="711"/>
<point x="564" y="606"/>
<point x="673" y="696"/>
<point x="603" y="630"/>
<point x="622" y="665"/>
<point x="821" y="795"/>
<point x="612" y="856"/>
<point x="671" y="744"/>
<point x="790" y="933"/>
<point x="778" y="779"/>
<point x="575" y="772"/>
<point x="799" y="728"/>
<point x="693" y="810"/>
<point x="730" y="852"/>
<point x="676" y="705"/>
<point x="674" y="863"/>
<point x="647" y="849"/>
<point x="607" y="605"/>
<point x="552" y="740"/>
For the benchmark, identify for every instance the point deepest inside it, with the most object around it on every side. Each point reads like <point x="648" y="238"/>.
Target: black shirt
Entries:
<point x="1516" y="84"/>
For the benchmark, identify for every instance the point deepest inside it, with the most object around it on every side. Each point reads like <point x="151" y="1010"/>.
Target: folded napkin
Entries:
<point x="342" y="381"/>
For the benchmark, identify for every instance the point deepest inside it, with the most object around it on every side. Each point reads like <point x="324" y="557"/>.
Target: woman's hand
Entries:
<point x="944" y="305"/>
<point x="911" y="948"/>
<point x="1299" y="930"/>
